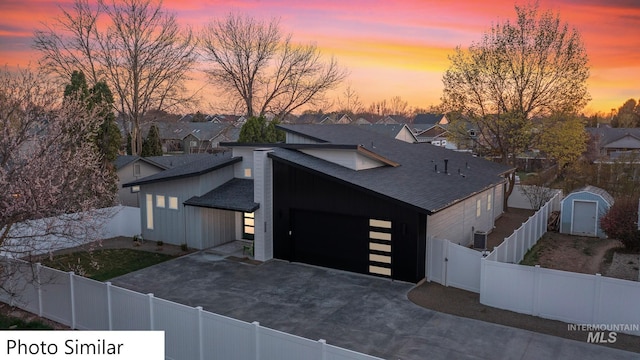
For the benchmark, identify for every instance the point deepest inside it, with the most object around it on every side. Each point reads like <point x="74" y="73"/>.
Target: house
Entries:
<point x="582" y="209"/>
<point x="338" y="196"/>
<point x="427" y="120"/>
<point x="131" y="168"/>
<point x="193" y="137"/>
<point x="397" y="131"/>
<point x="610" y="142"/>
<point x="435" y="134"/>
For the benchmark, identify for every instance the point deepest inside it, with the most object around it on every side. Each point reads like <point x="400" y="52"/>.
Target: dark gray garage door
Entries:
<point x="330" y="240"/>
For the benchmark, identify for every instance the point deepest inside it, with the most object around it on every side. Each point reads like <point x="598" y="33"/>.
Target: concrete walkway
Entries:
<point x="357" y="312"/>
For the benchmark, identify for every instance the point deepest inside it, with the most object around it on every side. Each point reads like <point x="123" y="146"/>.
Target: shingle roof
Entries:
<point x="177" y="160"/>
<point x="607" y="135"/>
<point x="194" y="168"/>
<point x="598" y="191"/>
<point x="235" y="194"/>
<point x="414" y="182"/>
<point x="124" y="160"/>
<point x="391" y="130"/>
<point x="430" y="119"/>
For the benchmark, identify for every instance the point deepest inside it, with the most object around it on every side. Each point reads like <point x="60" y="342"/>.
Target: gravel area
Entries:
<point x="467" y="304"/>
<point x="624" y="266"/>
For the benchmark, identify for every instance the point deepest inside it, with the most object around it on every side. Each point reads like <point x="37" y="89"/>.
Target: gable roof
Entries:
<point x="176" y="160"/>
<point x="236" y="194"/>
<point x="427" y="119"/>
<point x="595" y="190"/>
<point x="606" y="135"/>
<point x="414" y="182"/>
<point x="391" y="130"/>
<point x="194" y="168"/>
<point x="124" y="160"/>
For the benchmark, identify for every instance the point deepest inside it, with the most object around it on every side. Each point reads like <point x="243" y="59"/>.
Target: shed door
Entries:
<point x="584" y="218"/>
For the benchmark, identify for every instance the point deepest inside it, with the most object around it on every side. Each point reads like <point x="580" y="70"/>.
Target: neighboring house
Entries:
<point x="582" y="209"/>
<point x="336" y="196"/>
<point x="131" y="168"/>
<point x="612" y="141"/>
<point x="427" y="120"/>
<point x="193" y="137"/>
<point x="434" y="134"/>
<point x="396" y="131"/>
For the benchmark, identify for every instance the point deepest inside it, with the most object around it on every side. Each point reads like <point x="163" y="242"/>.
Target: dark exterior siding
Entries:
<point x="338" y="213"/>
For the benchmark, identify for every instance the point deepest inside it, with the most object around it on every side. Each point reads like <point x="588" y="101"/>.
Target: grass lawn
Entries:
<point x="105" y="264"/>
<point x="9" y="322"/>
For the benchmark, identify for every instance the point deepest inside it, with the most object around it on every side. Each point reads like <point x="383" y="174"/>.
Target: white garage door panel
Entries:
<point x="584" y="218"/>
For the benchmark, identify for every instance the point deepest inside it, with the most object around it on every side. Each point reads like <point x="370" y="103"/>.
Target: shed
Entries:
<point x="582" y="209"/>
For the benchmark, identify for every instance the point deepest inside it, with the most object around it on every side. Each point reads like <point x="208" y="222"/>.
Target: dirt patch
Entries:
<point x="507" y="224"/>
<point x="581" y="254"/>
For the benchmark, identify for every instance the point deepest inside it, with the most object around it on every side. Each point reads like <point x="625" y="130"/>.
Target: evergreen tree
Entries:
<point x="257" y="130"/>
<point x="152" y="146"/>
<point x="108" y="137"/>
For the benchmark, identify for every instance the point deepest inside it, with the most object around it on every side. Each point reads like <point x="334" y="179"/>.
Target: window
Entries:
<point x="149" y="209"/>
<point x="135" y="189"/>
<point x="489" y="198"/>
<point x="248" y="226"/>
<point x="160" y="201"/>
<point x="478" y="207"/>
<point x="247" y="172"/>
<point x="193" y="143"/>
<point x="173" y="203"/>
<point x="136" y="169"/>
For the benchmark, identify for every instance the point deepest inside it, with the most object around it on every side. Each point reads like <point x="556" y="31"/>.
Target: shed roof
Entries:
<point x="236" y="194"/>
<point x="595" y="190"/>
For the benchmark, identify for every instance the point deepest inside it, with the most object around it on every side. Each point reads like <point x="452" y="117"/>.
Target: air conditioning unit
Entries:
<point x="480" y="240"/>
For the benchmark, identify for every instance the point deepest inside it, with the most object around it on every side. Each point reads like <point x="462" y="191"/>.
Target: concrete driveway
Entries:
<point x="357" y="312"/>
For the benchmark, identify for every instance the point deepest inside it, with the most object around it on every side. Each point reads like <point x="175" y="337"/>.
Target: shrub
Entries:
<point x="621" y="222"/>
<point x="184" y="247"/>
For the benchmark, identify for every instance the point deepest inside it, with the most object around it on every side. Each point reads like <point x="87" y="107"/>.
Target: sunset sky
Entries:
<point x="392" y="48"/>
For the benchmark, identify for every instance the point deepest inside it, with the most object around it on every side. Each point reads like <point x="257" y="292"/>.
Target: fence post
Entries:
<point x="323" y="349"/>
<point x="109" y="310"/>
<point x="536" y="291"/>
<point x="73" y="301"/>
<point x="38" y="283"/>
<point x="256" y="339"/>
<point x="151" y="317"/>
<point x="597" y="284"/>
<point x="200" y="335"/>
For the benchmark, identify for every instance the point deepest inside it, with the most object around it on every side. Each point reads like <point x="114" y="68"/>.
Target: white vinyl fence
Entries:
<point x="190" y="333"/>
<point x="453" y="265"/>
<point x="561" y="295"/>
<point x="42" y="236"/>
<point x="514" y="247"/>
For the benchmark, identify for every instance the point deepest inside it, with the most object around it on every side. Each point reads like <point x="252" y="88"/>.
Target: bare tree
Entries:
<point x="350" y="102"/>
<point x="51" y="174"/>
<point x="397" y="106"/>
<point x="138" y="49"/>
<point x="262" y="70"/>
<point x="520" y="70"/>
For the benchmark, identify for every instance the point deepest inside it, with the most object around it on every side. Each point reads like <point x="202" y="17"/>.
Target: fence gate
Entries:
<point x="436" y="264"/>
<point x="450" y="264"/>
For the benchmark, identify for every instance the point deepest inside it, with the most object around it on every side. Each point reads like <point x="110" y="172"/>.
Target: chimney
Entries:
<point x="446" y="166"/>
